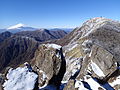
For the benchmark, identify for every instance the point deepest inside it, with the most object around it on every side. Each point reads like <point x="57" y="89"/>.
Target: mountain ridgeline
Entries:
<point x="17" y="48"/>
<point x="88" y="58"/>
<point x="43" y="34"/>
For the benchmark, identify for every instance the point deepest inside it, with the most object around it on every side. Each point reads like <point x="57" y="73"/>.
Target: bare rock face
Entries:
<point x="1" y="88"/>
<point x="99" y="63"/>
<point x="46" y="69"/>
<point x="98" y="38"/>
<point x="104" y="60"/>
<point x="97" y="49"/>
<point x="73" y="59"/>
<point x="103" y="32"/>
<point x="70" y="85"/>
<point x="49" y="58"/>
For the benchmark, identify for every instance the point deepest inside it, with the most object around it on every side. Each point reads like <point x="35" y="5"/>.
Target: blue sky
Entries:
<point x="55" y="13"/>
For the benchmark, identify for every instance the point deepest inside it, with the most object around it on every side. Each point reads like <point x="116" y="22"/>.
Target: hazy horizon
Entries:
<point x="55" y="13"/>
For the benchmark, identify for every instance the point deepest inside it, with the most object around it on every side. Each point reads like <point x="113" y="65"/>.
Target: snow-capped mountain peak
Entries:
<point x="17" y="26"/>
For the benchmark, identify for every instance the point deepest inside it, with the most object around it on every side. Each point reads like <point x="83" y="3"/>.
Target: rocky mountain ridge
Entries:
<point x="88" y="60"/>
<point x="95" y="48"/>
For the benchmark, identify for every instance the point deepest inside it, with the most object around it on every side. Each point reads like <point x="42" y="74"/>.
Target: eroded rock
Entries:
<point x="70" y="85"/>
<point x="49" y="58"/>
<point x="98" y="44"/>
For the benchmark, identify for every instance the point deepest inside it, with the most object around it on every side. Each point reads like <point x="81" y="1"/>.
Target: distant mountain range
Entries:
<point x="88" y="58"/>
<point x="21" y="27"/>
<point x="20" y="46"/>
<point x="42" y="35"/>
<point x="65" y="29"/>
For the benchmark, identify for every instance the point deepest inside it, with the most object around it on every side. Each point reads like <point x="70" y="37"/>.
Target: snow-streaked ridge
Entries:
<point x="17" y="26"/>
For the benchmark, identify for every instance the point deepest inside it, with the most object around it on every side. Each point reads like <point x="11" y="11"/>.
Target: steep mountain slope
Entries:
<point x="5" y="35"/>
<point x="92" y="55"/>
<point x="69" y="37"/>
<point x="43" y="34"/>
<point x="46" y="70"/>
<point x="20" y="47"/>
<point x="50" y="60"/>
<point x="88" y="60"/>
<point x="15" y="50"/>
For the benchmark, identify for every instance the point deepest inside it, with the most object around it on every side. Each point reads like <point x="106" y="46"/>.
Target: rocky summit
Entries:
<point x="92" y="56"/>
<point x="88" y="59"/>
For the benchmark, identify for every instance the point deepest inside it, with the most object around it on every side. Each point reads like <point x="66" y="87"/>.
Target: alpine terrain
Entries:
<point x="87" y="58"/>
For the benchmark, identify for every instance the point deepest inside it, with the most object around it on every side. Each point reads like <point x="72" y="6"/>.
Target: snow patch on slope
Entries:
<point x="55" y="46"/>
<point x="93" y="84"/>
<point x="71" y="47"/>
<point x="73" y="66"/>
<point x="93" y="24"/>
<point x="88" y="84"/>
<point x="80" y="85"/>
<point x="20" y="79"/>
<point x="43" y="79"/>
<point x="97" y="70"/>
<point x="44" y="75"/>
<point x="115" y="82"/>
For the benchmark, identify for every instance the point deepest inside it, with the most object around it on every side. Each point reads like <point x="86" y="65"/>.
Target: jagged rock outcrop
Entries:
<point x="100" y="63"/>
<point x="20" y="47"/>
<point x="96" y="48"/>
<point x="50" y="60"/>
<point x="70" y="85"/>
<point x="47" y="60"/>
<point x="91" y="62"/>
<point x="45" y="71"/>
